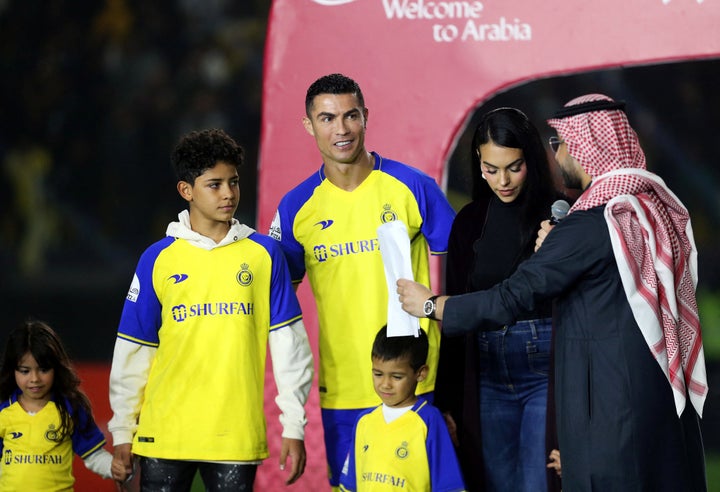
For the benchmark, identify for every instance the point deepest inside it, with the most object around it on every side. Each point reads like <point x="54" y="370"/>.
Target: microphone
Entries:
<point x="558" y="211"/>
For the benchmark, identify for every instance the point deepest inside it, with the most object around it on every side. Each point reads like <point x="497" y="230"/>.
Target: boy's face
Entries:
<point x="395" y="381"/>
<point x="214" y="196"/>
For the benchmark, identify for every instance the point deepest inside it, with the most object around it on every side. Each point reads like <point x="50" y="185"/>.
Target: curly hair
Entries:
<point x="41" y="341"/>
<point x="335" y="83"/>
<point x="201" y="150"/>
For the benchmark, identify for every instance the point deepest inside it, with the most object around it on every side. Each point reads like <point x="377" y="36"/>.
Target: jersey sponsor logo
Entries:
<point x="32" y="459"/>
<point x="134" y="291"/>
<point x="244" y="276"/>
<point x="387" y="214"/>
<point x="383" y="478"/>
<point x="181" y="312"/>
<point x="324" y="224"/>
<point x="275" y="229"/>
<point x="324" y="252"/>
<point x="146" y="439"/>
<point x="178" y="277"/>
<point x="16" y="435"/>
<point x="402" y="451"/>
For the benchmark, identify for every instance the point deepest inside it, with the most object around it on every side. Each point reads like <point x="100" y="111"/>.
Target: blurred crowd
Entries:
<point x="94" y="95"/>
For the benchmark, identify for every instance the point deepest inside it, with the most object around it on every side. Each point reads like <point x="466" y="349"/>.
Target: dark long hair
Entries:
<point x="509" y="127"/>
<point x="42" y="342"/>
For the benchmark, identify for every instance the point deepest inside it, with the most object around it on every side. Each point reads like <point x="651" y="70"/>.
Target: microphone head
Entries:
<point x="558" y="211"/>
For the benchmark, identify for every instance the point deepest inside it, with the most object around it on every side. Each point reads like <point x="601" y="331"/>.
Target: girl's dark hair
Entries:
<point x="415" y="349"/>
<point x="37" y="338"/>
<point x="509" y="127"/>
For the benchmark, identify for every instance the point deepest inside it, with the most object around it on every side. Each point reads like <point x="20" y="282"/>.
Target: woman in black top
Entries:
<point x="494" y="384"/>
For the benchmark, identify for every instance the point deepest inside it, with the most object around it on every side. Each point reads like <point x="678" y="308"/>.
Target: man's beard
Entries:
<point x="570" y="180"/>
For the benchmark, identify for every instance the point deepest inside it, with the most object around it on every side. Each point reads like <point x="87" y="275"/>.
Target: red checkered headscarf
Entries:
<point x="651" y="235"/>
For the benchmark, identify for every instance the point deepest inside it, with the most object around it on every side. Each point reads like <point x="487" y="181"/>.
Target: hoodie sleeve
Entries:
<point x="293" y="372"/>
<point x="128" y="377"/>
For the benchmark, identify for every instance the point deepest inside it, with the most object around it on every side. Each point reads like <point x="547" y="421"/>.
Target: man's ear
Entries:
<point x="422" y="373"/>
<point x="185" y="190"/>
<point x="308" y="126"/>
<point x="365" y="115"/>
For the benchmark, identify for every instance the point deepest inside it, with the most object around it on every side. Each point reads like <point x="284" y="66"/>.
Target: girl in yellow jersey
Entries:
<point x="44" y="416"/>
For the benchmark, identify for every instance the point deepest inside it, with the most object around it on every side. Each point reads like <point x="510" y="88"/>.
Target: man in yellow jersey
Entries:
<point x="187" y="385"/>
<point x="327" y="227"/>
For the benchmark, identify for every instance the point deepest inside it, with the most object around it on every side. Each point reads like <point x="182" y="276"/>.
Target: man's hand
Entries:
<point x="555" y="462"/>
<point x="413" y="296"/>
<point x="452" y="428"/>
<point x="122" y="463"/>
<point x="545" y="228"/>
<point x="295" y="450"/>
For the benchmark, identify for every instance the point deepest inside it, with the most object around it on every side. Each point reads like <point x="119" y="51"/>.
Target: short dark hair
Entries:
<point x="335" y="83"/>
<point x="201" y="150"/>
<point x="415" y="349"/>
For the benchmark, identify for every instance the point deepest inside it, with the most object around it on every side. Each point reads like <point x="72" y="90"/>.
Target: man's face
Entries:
<point x="337" y="121"/>
<point x="570" y="169"/>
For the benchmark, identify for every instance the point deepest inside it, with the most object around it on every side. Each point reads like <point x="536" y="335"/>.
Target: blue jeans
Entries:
<point x="513" y="368"/>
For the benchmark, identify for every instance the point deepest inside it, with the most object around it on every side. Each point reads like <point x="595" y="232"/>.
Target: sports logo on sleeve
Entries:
<point x="275" y="229"/>
<point x="134" y="291"/>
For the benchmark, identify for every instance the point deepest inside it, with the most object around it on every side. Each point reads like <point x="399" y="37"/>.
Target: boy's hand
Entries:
<point x="122" y="463"/>
<point x="295" y="449"/>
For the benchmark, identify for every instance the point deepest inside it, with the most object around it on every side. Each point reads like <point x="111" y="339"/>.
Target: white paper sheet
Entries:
<point x="395" y="249"/>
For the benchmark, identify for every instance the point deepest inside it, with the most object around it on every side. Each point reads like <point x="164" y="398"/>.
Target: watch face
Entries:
<point x="428" y="307"/>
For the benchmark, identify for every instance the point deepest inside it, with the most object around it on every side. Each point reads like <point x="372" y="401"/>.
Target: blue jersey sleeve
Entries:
<point x="142" y="313"/>
<point x="445" y="474"/>
<point x="281" y="228"/>
<point x="89" y="440"/>
<point x="436" y="211"/>
<point x="348" y="477"/>
<point x="284" y="306"/>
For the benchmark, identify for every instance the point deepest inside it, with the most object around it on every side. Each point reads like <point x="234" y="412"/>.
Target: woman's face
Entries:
<point x="504" y="169"/>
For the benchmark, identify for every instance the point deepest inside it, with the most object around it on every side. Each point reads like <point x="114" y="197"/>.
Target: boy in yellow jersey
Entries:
<point x="403" y="444"/>
<point x="187" y="378"/>
<point x="327" y="227"/>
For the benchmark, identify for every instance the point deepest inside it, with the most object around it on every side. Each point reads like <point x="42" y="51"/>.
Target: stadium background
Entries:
<point x="94" y="95"/>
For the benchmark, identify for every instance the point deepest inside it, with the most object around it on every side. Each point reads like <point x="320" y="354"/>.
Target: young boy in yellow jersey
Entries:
<point x="187" y="377"/>
<point x="403" y="444"/>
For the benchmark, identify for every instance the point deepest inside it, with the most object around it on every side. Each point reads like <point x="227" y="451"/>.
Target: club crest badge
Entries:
<point x="387" y="214"/>
<point x="244" y="276"/>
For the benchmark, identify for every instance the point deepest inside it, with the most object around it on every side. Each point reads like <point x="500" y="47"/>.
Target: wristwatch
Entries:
<point x="430" y="307"/>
